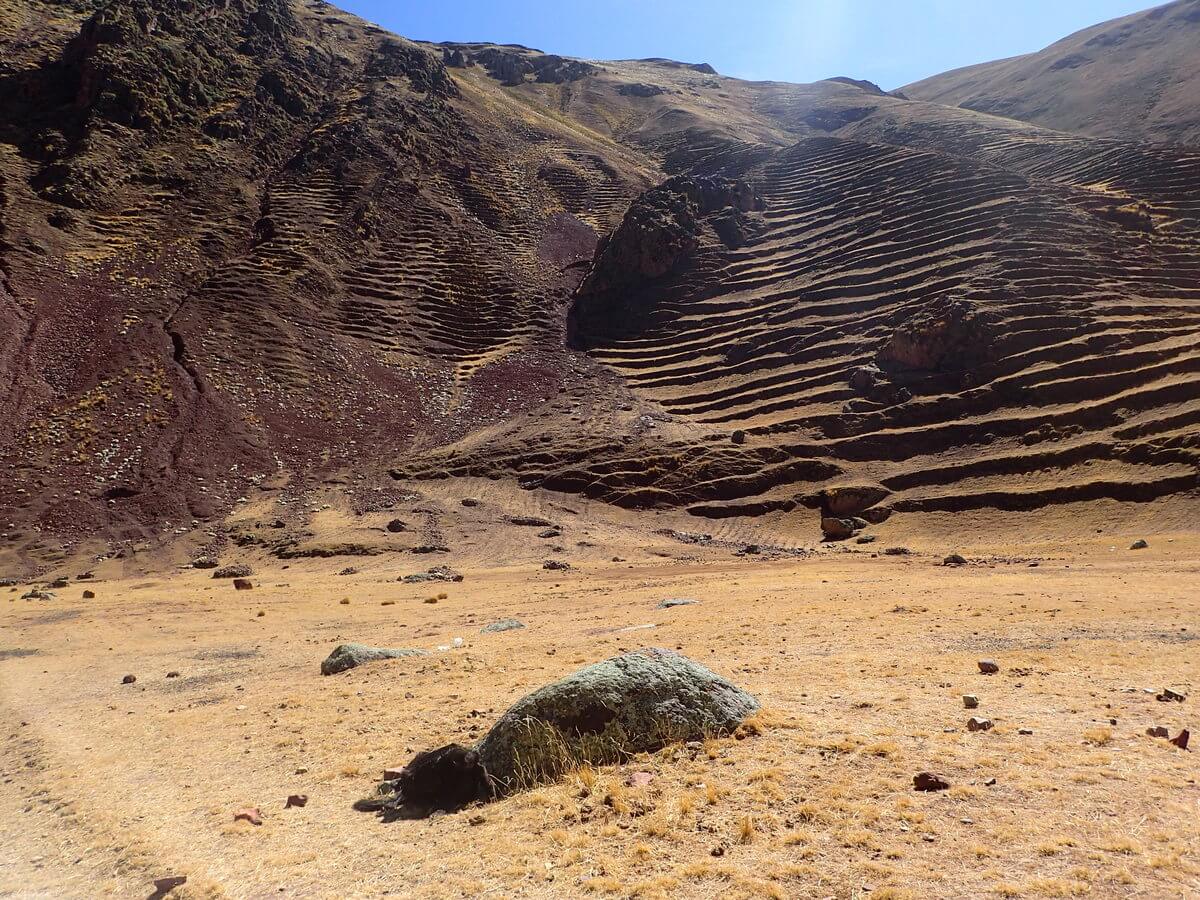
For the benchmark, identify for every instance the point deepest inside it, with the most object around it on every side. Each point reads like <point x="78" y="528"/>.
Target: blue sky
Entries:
<point x="890" y="43"/>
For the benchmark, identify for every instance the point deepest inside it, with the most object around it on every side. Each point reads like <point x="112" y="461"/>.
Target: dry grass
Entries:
<point x="812" y="797"/>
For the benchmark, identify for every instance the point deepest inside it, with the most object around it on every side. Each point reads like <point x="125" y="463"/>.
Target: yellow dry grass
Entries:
<point x="860" y="663"/>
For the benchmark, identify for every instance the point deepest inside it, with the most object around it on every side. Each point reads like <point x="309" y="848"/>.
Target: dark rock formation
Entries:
<point x="948" y="335"/>
<point x="660" y="235"/>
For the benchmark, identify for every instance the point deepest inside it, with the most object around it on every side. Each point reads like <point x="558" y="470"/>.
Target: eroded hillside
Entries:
<point x="269" y="244"/>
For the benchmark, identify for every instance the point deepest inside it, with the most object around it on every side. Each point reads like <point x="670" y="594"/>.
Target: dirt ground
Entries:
<point x="860" y="659"/>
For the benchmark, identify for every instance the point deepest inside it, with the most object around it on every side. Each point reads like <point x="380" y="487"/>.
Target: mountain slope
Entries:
<point x="269" y="252"/>
<point x="1134" y="78"/>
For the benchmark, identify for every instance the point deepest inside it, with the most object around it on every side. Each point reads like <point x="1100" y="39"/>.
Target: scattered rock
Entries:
<point x="970" y="701"/>
<point x="59" y="583"/>
<point x="529" y="521"/>
<point x="396" y="526"/>
<point x="38" y="594"/>
<point x="249" y="814"/>
<point x="476" y="820"/>
<point x="835" y="529"/>
<point x="550" y="533"/>
<point x="927" y="781"/>
<point x="556" y="565"/>
<point x="1139" y="545"/>
<point x="502" y="625"/>
<point x="296" y="800"/>
<point x="243" y="584"/>
<point x="129" y="679"/>
<point x="954" y="559"/>
<point x="1158" y="731"/>
<point x="1169" y="696"/>
<point x="172" y="674"/>
<point x="89" y="595"/>
<point x="437" y="573"/>
<point x="347" y="656"/>
<point x="990" y="782"/>
<point x="988" y="666"/>
<point x="235" y="571"/>
<point x="676" y="601"/>
<point x="897" y="551"/>
<point x="349" y="570"/>
<point x="1181" y="740"/>
<point x="1025" y="731"/>
<point x="978" y="723"/>
<point x="430" y="548"/>
<point x="205" y="562"/>
<point x="166" y="884"/>
<point x="865" y="539"/>
<point x="469" y="501"/>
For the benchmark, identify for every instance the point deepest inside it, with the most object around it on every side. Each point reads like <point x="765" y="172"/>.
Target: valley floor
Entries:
<point x="861" y="662"/>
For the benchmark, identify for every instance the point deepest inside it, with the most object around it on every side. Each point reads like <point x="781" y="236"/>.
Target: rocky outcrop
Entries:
<point x="512" y="65"/>
<point x="947" y="336"/>
<point x="661" y="234"/>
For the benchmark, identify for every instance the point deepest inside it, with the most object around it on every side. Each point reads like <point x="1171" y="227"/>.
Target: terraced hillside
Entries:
<point x="273" y="245"/>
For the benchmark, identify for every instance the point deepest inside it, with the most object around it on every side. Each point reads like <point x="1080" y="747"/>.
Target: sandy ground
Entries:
<point x="860" y="661"/>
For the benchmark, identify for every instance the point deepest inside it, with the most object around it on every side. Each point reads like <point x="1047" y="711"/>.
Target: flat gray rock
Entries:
<point x="502" y="625"/>
<point x="347" y="656"/>
<point x="633" y="703"/>
<point x="676" y="601"/>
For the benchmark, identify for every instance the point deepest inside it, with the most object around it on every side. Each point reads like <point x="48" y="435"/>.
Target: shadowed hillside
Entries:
<point x="266" y="245"/>
<point x="1134" y="78"/>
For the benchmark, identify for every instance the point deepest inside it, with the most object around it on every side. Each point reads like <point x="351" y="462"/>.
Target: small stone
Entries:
<point x="988" y="666"/>
<point x="1168" y="696"/>
<point x="717" y="851"/>
<point x="671" y="602"/>
<point x="431" y="599"/>
<point x="1026" y="731"/>
<point x="469" y="501"/>
<point x="172" y="674"/>
<point x="345" y="601"/>
<point x="204" y="562"/>
<point x="476" y="820"/>
<point x="1181" y="740"/>
<point x="243" y="584"/>
<point x="978" y="723"/>
<point x="970" y="701"/>
<point x="865" y="539"/>
<point x="89" y="595"/>
<point x="303" y="770"/>
<point x="129" y="679"/>
<point x="1139" y="544"/>
<point x="990" y="782"/>
<point x="1157" y="731"/>
<point x="396" y="526"/>
<point x="249" y="814"/>
<point x="168" y="883"/>
<point x="236" y="571"/>
<point x="556" y="565"/>
<point x="296" y="800"/>
<point x="954" y="559"/>
<point x="639" y="779"/>
<point x="502" y="625"/>
<point x="927" y="781"/>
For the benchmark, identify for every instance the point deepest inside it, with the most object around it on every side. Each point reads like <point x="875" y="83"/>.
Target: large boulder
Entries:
<point x="347" y="656"/>
<point x="633" y="703"/>
<point x="947" y="335"/>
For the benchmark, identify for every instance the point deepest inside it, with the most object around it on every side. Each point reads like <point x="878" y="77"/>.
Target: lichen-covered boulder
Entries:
<point x="347" y="656"/>
<point x="638" y="702"/>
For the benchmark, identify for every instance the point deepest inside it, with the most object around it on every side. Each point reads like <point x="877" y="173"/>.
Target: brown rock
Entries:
<point x="243" y="584"/>
<point x="296" y="800"/>
<point x="393" y="773"/>
<point x="978" y="723"/>
<point x="1169" y="696"/>
<point x="129" y="679"/>
<point x="988" y="666"/>
<point x="1157" y="731"/>
<point x="970" y="701"/>
<point x="1181" y="740"/>
<point x="168" y="883"/>
<point x="927" y="781"/>
<point x="89" y="595"/>
<point x="249" y="814"/>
